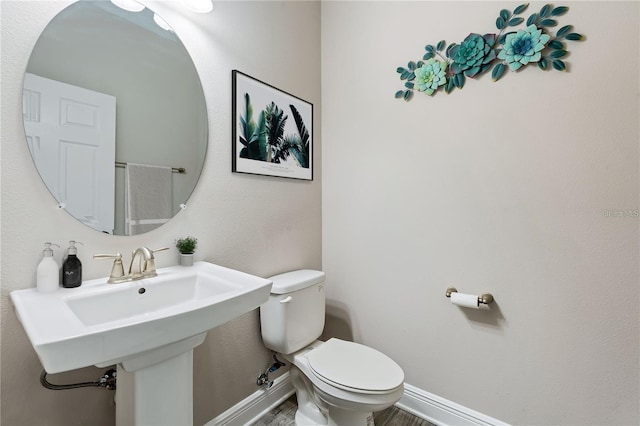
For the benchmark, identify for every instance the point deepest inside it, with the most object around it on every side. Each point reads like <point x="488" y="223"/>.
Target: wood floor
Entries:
<point x="284" y="414"/>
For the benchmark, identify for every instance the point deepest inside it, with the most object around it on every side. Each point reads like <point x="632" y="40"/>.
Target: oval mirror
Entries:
<point x="115" y="116"/>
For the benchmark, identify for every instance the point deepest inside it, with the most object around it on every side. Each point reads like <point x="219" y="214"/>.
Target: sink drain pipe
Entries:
<point x="107" y="381"/>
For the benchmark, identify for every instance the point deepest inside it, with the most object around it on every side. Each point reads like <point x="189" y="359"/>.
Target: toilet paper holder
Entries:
<point x="484" y="298"/>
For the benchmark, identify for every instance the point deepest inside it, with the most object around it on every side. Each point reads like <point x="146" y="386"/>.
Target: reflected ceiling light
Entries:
<point x="130" y="5"/>
<point x="161" y="22"/>
<point x="200" y="6"/>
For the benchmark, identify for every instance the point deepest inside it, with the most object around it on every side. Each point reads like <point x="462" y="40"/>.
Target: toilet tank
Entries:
<point x="293" y="316"/>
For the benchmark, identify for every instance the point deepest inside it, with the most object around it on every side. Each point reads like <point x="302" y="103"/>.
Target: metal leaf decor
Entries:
<point x="446" y="67"/>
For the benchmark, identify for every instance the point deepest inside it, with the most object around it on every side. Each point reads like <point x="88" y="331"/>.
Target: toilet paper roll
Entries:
<point x="465" y="300"/>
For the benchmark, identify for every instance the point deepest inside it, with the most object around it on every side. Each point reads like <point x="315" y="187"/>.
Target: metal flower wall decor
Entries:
<point x="447" y="68"/>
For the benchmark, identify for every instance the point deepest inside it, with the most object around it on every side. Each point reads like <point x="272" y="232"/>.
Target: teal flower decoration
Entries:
<point x="430" y="76"/>
<point x="477" y="54"/>
<point x="523" y="47"/>
<point x="473" y="55"/>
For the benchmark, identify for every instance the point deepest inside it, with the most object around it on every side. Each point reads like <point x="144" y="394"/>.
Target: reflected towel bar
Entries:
<point x="180" y="170"/>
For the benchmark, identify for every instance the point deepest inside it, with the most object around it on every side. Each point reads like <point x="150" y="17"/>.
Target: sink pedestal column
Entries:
<point x="157" y="394"/>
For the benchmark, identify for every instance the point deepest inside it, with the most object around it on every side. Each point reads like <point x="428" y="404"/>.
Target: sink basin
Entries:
<point x="104" y="324"/>
<point x="164" y="294"/>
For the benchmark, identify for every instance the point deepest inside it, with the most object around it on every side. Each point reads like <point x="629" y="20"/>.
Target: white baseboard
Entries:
<point x="416" y="401"/>
<point x="441" y="411"/>
<point x="256" y="405"/>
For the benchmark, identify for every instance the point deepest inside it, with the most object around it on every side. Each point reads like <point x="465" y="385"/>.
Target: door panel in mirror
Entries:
<point x="75" y="130"/>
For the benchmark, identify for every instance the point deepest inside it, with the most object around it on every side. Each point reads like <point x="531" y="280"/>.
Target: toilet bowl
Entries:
<point x="337" y="382"/>
<point x="342" y="383"/>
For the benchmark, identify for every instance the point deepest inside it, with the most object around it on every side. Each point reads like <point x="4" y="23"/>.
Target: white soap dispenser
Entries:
<point x="47" y="273"/>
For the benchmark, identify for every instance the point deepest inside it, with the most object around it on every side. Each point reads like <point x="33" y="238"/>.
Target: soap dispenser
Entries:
<point x="72" y="268"/>
<point x="47" y="271"/>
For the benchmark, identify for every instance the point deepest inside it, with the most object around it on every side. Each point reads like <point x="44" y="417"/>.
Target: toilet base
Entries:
<point x="314" y="409"/>
<point x="337" y="417"/>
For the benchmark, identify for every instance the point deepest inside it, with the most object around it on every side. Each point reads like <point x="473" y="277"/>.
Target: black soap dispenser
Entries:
<point x="72" y="268"/>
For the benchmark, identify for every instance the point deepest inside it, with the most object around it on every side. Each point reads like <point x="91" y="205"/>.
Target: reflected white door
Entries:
<point x="71" y="133"/>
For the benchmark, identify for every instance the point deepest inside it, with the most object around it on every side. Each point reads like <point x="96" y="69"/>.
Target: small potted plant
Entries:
<point x="186" y="246"/>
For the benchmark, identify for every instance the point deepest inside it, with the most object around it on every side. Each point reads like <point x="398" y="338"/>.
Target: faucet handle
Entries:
<point x="117" y="270"/>
<point x="160" y="249"/>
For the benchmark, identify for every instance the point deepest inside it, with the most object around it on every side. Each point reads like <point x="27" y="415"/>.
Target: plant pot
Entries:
<point x="186" y="259"/>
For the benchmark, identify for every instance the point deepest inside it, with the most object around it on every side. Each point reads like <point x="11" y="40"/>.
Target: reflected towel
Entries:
<point x="147" y="197"/>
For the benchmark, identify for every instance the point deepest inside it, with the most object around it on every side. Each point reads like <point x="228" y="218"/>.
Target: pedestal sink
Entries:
<point x="148" y="327"/>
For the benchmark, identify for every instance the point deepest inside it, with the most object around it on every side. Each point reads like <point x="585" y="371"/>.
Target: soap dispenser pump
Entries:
<point x="47" y="271"/>
<point x="72" y="268"/>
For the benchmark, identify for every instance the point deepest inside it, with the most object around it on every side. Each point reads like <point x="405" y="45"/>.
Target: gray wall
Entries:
<point x="259" y="225"/>
<point x="498" y="187"/>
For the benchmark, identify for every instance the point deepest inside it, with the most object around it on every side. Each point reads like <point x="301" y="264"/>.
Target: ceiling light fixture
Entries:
<point x="199" y="6"/>
<point x="130" y="5"/>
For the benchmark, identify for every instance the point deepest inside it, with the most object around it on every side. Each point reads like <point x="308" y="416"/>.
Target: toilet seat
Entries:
<point x="354" y="367"/>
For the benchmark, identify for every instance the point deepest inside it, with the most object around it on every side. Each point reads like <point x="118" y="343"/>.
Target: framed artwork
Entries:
<point x="272" y="130"/>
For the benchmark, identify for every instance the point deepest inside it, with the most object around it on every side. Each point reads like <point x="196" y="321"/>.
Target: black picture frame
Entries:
<point x="272" y="130"/>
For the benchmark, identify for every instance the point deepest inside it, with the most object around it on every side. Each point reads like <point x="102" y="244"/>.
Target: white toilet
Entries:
<point x="336" y="382"/>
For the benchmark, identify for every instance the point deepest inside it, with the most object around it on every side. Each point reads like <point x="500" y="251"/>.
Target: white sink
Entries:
<point x="132" y="323"/>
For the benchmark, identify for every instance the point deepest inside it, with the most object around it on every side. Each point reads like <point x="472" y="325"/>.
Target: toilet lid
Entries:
<point x="355" y="366"/>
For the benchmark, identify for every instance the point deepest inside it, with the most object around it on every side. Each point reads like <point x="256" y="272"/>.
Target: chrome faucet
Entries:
<point x="142" y="265"/>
